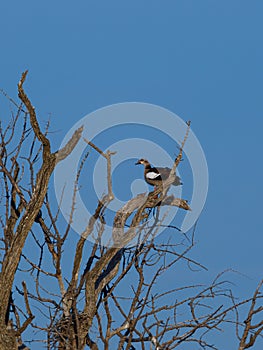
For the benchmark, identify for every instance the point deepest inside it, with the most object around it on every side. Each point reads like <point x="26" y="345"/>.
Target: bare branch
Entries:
<point x="107" y="156"/>
<point x="33" y="119"/>
<point x="252" y="331"/>
<point x="31" y="316"/>
<point x="71" y="144"/>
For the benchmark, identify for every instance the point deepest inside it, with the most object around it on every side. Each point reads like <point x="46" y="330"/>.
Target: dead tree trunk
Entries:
<point x="29" y="211"/>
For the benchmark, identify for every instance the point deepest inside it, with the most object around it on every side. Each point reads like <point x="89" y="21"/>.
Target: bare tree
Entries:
<point x="22" y="205"/>
<point x="101" y="297"/>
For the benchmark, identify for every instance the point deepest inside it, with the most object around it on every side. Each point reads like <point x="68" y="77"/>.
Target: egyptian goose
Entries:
<point x="155" y="176"/>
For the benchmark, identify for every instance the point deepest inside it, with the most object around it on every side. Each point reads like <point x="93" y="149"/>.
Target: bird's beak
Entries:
<point x="137" y="162"/>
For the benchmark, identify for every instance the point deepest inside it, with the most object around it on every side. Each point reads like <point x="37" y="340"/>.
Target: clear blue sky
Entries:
<point x="200" y="59"/>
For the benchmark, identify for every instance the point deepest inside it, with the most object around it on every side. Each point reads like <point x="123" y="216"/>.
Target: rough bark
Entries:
<point x="31" y="210"/>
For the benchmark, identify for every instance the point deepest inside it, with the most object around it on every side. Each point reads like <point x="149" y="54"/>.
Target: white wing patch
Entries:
<point x="152" y="175"/>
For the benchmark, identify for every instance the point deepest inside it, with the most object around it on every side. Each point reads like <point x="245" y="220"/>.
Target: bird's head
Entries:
<point x="142" y="161"/>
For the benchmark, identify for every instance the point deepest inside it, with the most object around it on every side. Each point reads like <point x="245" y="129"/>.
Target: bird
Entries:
<point x="155" y="176"/>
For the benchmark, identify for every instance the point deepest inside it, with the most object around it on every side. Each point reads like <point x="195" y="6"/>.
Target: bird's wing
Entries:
<point x="165" y="172"/>
<point x="162" y="174"/>
<point x="151" y="175"/>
